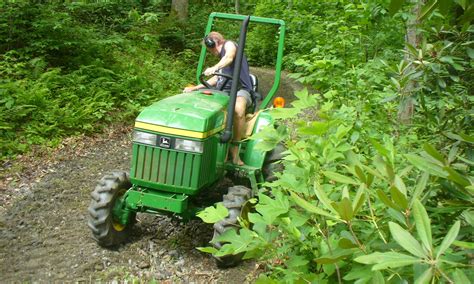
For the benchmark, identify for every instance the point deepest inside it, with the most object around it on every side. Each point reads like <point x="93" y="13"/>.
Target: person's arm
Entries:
<point x="212" y="82"/>
<point x="230" y="52"/>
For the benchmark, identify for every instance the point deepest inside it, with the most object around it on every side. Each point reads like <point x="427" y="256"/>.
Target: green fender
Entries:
<point x="255" y="157"/>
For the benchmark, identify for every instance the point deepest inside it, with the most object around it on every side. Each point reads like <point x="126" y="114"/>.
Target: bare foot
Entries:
<point x="238" y="161"/>
<point x="234" y="151"/>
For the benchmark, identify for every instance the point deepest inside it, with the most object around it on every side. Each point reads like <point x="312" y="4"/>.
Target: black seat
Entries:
<point x="254" y="82"/>
<point x="256" y="97"/>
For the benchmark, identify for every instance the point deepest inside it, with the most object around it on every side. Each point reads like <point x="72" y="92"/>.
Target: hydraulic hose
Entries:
<point x="227" y="135"/>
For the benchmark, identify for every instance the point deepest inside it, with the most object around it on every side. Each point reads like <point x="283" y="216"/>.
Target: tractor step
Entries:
<point x="254" y="174"/>
<point x="157" y="200"/>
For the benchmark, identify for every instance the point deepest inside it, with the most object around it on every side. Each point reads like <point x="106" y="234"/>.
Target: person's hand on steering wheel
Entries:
<point x="210" y="71"/>
<point x="227" y="77"/>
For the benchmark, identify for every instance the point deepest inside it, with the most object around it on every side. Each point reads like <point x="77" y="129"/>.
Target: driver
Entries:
<point x="226" y="51"/>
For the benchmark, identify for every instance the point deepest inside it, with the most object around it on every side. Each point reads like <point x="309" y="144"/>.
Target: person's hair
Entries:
<point x="216" y="37"/>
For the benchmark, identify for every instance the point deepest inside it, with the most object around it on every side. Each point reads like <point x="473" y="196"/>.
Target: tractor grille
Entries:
<point x="168" y="167"/>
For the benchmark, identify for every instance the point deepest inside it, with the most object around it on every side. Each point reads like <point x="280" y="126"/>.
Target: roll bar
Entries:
<point x="227" y="135"/>
<point x="252" y="19"/>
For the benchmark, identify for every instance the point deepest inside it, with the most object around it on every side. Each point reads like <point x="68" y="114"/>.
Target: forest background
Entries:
<point x="379" y="169"/>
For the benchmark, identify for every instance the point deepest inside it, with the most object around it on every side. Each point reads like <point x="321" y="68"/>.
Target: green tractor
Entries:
<point x="180" y="146"/>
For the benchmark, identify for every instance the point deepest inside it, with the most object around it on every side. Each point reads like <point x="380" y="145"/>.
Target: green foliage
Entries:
<point x="213" y="214"/>
<point x="67" y="69"/>
<point x="362" y="198"/>
<point x="348" y="209"/>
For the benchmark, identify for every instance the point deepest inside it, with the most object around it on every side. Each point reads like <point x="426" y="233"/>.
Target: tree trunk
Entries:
<point x="180" y="9"/>
<point x="237" y="6"/>
<point x="406" y="108"/>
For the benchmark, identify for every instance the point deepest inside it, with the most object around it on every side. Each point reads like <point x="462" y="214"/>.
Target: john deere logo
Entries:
<point x="165" y="142"/>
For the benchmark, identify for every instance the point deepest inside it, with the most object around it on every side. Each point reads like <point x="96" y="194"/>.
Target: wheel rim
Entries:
<point x="244" y="214"/>
<point x="117" y="208"/>
<point x="117" y="226"/>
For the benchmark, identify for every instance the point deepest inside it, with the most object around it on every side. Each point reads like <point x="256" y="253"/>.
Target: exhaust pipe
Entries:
<point x="227" y="135"/>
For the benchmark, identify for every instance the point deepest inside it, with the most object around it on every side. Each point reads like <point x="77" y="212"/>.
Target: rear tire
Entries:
<point x="272" y="163"/>
<point x="236" y="203"/>
<point x="106" y="230"/>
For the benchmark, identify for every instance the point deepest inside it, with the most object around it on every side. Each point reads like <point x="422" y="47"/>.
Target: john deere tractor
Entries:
<point x="180" y="146"/>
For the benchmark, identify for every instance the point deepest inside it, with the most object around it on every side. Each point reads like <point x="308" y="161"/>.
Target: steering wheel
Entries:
<point x="227" y="77"/>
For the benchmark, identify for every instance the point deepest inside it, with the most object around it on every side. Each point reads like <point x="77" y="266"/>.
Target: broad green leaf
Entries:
<point x="420" y="187"/>
<point x="213" y="214"/>
<point x="470" y="52"/>
<point x="467" y="245"/>
<point x="345" y="192"/>
<point x="358" y="272"/>
<point x="449" y="239"/>
<point x="315" y="128"/>
<point x="412" y="49"/>
<point x="387" y="260"/>
<point x="235" y="242"/>
<point x="406" y="240"/>
<point x="405" y="171"/>
<point x="310" y="207"/>
<point x="396" y="263"/>
<point x="461" y="137"/>
<point x="384" y="198"/>
<point x="335" y="256"/>
<point x="377" y="278"/>
<point x="453" y="153"/>
<point x="398" y="182"/>
<point x="342" y="130"/>
<point x="296" y="261"/>
<point x="389" y="171"/>
<point x="372" y="172"/>
<point x="284" y="113"/>
<point x="267" y="138"/>
<point x="271" y="208"/>
<point x="399" y="198"/>
<point x="381" y="149"/>
<point x="321" y="195"/>
<point x="423" y="225"/>
<point x="379" y="164"/>
<point x="346" y="243"/>
<point x="425" y="277"/>
<point x="359" y="199"/>
<point x="459" y="276"/>
<point x="468" y="215"/>
<point x="345" y="209"/>
<point x="456" y="177"/>
<point x="433" y="153"/>
<point x="211" y="250"/>
<point x="426" y="166"/>
<point x="360" y="174"/>
<point x="339" y="178"/>
<point x="370" y="179"/>
<point x="397" y="215"/>
<point x="372" y="258"/>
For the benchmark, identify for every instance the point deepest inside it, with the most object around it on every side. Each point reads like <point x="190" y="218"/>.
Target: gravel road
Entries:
<point x="43" y="216"/>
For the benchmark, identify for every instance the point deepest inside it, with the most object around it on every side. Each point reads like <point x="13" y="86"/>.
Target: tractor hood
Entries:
<point x="195" y="114"/>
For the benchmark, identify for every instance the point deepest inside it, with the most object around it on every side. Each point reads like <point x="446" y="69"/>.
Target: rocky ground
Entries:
<point x="43" y="215"/>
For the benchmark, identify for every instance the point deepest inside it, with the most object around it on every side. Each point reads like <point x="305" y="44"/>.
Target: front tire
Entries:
<point x="106" y="229"/>
<point x="236" y="203"/>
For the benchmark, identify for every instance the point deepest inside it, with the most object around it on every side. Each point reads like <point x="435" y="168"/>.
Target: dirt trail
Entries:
<point x="43" y="231"/>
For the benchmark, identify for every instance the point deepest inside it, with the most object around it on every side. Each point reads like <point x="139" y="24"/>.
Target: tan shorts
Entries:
<point x="246" y="95"/>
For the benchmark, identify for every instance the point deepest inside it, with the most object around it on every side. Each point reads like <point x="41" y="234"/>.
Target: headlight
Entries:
<point x="144" y="138"/>
<point x="188" y="145"/>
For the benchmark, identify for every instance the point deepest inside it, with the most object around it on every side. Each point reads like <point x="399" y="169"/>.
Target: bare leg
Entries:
<point x="239" y="128"/>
